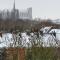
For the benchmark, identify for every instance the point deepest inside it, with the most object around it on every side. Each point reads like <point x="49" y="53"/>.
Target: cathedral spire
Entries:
<point x="14" y="10"/>
<point x="14" y="5"/>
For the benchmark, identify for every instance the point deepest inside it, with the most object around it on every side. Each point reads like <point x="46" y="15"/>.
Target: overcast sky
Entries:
<point x="41" y="8"/>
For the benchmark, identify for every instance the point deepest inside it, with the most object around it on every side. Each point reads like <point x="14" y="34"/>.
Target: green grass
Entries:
<point x="46" y="53"/>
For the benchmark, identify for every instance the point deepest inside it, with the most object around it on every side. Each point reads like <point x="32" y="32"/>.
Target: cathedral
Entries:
<point x="16" y="13"/>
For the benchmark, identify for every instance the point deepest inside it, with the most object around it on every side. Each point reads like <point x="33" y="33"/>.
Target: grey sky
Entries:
<point x="41" y="8"/>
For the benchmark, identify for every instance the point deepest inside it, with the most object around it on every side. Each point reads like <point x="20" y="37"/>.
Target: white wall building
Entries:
<point x="26" y="14"/>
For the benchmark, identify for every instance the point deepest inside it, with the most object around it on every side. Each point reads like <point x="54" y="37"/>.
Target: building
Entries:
<point x="0" y="14"/>
<point x="5" y="14"/>
<point x="15" y="14"/>
<point x="26" y="14"/>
